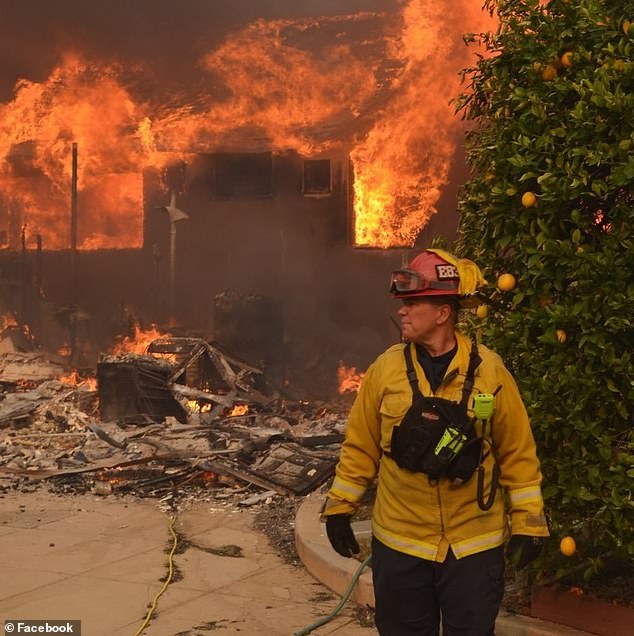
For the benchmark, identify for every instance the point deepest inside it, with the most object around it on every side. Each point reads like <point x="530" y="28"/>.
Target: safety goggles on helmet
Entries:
<point x="407" y="281"/>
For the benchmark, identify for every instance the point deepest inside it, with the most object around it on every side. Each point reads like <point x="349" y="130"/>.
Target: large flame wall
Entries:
<point x="376" y="83"/>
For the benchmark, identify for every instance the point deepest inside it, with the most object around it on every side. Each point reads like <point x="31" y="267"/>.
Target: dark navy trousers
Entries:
<point x="413" y="595"/>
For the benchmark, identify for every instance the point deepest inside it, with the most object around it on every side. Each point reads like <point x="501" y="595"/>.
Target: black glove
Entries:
<point x="522" y="549"/>
<point x="340" y="535"/>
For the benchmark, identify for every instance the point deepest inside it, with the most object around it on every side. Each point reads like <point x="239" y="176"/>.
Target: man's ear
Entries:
<point x="444" y="314"/>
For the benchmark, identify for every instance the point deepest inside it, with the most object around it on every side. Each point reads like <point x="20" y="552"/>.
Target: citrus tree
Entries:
<point x="549" y="209"/>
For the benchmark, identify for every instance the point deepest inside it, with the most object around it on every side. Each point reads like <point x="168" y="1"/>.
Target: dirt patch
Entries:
<point x="277" y="521"/>
<point x="206" y="627"/>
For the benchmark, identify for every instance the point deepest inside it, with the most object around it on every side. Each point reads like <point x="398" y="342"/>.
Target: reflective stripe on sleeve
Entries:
<point x="346" y="490"/>
<point x="478" y="544"/>
<point x="532" y="494"/>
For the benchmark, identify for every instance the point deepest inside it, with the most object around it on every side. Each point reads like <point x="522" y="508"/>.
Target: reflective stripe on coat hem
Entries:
<point x="429" y="551"/>
<point x="403" y="544"/>
<point x="478" y="544"/>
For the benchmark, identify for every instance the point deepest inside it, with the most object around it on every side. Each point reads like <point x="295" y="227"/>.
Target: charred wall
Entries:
<point x="280" y="233"/>
<point x="271" y="228"/>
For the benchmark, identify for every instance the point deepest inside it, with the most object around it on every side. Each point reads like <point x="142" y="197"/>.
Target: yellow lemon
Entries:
<point x="529" y="200"/>
<point x="482" y="311"/>
<point x="626" y="26"/>
<point x="568" y="546"/>
<point x="506" y="282"/>
<point x="561" y="335"/>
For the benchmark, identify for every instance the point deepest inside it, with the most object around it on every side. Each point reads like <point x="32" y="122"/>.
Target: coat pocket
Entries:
<point x="412" y="440"/>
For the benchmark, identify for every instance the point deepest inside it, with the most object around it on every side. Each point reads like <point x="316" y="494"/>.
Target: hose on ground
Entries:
<point x="344" y="598"/>
<point x="167" y="580"/>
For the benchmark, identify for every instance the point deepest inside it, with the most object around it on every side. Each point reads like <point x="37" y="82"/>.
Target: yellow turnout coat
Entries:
<point x="414" y="515"/>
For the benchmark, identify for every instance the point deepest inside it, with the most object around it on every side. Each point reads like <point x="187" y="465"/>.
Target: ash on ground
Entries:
<point x="277" y="522"/>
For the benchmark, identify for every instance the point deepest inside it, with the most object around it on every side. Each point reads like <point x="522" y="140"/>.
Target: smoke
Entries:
<point x="146" y="83"/>
<point x="372" y="79"/>
<point x="168" y="38"/>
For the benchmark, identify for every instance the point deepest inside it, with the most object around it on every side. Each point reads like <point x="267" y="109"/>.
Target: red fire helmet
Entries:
<point x="431" y="273"/>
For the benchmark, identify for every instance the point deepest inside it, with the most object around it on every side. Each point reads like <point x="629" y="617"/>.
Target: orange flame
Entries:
<point x="281" y="88"/>
<point x="74" y="378"/>
<point x="82" y="103"/>
<point x="139" y="342"/>
<point x="64" y="350"/>
<point x="239" y="409"/>
<point x="196" y="407"/>
<point x="7" y="320"/>
<point x="600" y="221"/>
<point x="376" y="84"/>
<point x="403" y="163"/>
<point x="349" y="379"/>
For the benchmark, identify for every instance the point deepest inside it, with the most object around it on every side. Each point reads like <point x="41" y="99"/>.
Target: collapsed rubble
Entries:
<point x="184" y="414"/>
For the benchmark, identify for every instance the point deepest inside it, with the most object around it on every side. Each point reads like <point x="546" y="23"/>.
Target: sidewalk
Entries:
<point x="103" y="561"/>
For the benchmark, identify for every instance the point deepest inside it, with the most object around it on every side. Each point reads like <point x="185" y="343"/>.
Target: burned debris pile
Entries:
<point x="183" y="414"/>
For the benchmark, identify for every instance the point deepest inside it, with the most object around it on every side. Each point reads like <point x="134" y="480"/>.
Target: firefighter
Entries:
<point x="439" y="422"/>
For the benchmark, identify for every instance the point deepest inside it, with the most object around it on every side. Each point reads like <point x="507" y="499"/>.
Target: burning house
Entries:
<point x="196" y="228"/>
<point x="258" y="203"/>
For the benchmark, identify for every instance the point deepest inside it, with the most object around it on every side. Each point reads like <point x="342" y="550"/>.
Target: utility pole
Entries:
<point x="73" y="223"/>
<point x="72" y="323"/>
<point x="174" y="216"/>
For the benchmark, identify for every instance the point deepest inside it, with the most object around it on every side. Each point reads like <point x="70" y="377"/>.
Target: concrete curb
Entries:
<point x="336" y="572"/>
<point x="318" y="557"/>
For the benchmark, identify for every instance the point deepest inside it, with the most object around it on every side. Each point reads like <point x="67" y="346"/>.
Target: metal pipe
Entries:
<point x="73" y="209"/>
<point x="24" y="278"/>
<point x="38" y="266"/>
<point x="172" y="320"/>
<point x="73" y="256"/>
<point x="73" y="222"/>
<point x="73" y="219"/>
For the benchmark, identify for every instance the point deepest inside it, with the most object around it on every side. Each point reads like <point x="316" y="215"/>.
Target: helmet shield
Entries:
<point x="405" y="282"/>
<point x="428" y="274"/>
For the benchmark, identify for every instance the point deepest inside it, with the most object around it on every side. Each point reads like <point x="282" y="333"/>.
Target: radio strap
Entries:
<point x="474" y="362"/>
<point x="411" y="373"/>
<point x="467" y="387"/>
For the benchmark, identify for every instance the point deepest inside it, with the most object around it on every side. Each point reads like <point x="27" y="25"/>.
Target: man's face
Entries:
<point x="419" y="319"/>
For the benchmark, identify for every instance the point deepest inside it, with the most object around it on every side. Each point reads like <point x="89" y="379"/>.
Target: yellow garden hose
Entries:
<point x="167" y="580"/>
<point x="303" y="632"/>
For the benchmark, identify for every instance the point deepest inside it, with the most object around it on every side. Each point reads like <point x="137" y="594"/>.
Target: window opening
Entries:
<point x="317" y="177"/>
<point x="243" y="175"/>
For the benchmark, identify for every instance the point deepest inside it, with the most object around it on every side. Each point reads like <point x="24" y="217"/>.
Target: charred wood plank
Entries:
<point x="35" y="475"/>
<point x="101" y="434"/>
<point x="245" y="475"/>
<point x="190" y="393"/>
